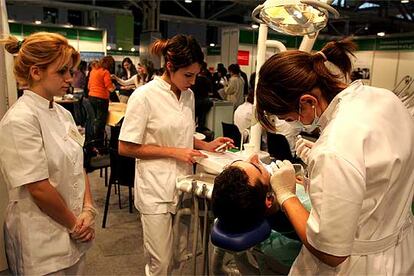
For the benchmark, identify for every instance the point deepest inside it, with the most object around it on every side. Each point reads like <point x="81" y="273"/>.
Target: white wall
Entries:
<point x="229" y="45"/>
<point x="384" y="69"/>
<point x="212" y="61"/>
<point x="405" y="65"/>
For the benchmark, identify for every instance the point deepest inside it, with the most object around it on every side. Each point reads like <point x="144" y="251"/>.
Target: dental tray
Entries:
<point x="215" y="161"/>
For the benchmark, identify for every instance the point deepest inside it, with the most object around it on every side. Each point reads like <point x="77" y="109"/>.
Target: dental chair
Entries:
<point x="268" y="247"/>
<point x="245" y="250"/>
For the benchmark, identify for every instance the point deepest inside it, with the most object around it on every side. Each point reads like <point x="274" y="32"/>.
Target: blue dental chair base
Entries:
<point x="237" y="242"/>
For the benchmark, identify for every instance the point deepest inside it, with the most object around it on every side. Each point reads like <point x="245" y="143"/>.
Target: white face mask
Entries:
<point x="306" y="128"/>
<point x="314" y="125"/>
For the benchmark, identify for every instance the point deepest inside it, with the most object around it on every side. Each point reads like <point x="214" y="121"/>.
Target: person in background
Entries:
<point x="91" y="64"/>
<point x="50" y="217"/>
<point x="233" y="90"/>
<point x="119" y="70"/>
<point x="202" y="88"/>
<point x="361" y="176"/>
<point x="144" y="74"/>
<point x="146" y="70"/>
<point x="79" y="76"/>
<point x="246" y="81"/>
<point x="128" y="70"/>
<point x="160" y="137"/>
<point x="100" y="86"/>
<point x="219" y="80"/>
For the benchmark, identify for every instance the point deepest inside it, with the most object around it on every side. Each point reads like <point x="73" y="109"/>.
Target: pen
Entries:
<point x="222" y="147"/>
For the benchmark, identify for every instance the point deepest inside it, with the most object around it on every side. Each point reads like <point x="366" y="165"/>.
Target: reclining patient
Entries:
<point x="242" y="198"/>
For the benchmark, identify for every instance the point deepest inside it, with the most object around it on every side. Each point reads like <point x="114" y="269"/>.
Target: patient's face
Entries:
<point x="254" y="169"/>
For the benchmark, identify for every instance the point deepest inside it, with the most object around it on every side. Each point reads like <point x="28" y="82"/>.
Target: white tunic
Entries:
<point x="243" y="116"/>
<point x="155" y="116"/>
<point x="35" y="145"/>
<point x="362" y="185"/>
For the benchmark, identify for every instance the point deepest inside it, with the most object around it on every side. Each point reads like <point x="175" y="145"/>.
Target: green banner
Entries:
<point x="364" y="44"/>
<point x="124" y="27"/>
<point x="213" y="51"/>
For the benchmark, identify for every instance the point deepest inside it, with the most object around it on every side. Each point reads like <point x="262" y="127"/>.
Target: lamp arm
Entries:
<point x="321" y="5"/>
<point x="255" y="14"/>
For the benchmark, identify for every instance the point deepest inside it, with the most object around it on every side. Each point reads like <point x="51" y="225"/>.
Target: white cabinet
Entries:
<point x="221" y="111"/>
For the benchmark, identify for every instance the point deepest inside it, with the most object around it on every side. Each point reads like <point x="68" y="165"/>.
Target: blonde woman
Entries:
<point x="50" y="216"/>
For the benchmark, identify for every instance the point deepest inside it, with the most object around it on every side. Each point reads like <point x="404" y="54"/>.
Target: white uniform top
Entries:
<point x="35" y="145"/>
<point x="243" y="116"/>
<point x="155" y="116"/>
<point x="362" y="186"/>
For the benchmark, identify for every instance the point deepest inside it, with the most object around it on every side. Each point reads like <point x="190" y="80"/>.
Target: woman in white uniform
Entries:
<point x="50" y="217"/>
<point x="360" y="169"/>
<point x="158" y="130"/>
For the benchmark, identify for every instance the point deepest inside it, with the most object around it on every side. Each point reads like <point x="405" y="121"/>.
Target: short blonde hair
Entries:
<point x="40" y="49"/>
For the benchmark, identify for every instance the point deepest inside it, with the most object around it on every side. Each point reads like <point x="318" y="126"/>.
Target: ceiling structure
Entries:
<point x="358" y="17"/>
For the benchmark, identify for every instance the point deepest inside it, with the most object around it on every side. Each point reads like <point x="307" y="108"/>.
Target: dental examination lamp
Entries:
<point x="294" y="17"/>
<point x="291" y="17"/>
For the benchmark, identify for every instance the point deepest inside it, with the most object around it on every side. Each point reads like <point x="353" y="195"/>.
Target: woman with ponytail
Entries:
<point x="361" y="177"/>
<point x="158" y="131"/>
<point x="50" y="216"/>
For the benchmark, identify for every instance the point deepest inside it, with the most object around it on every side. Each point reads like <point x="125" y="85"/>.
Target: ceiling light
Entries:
<point x="108" y="47"/>
<point x="212" y="44"/>
<point x="294" y="17"/>
<point x="120" y="49"/>
<point x="381" y="34"/>
<point x="38" y="22"/>
<point x="255" y="26"/>
<point x="405" y="1"/>
<point x="188" y="1"/>
<point x="132" y="49"/>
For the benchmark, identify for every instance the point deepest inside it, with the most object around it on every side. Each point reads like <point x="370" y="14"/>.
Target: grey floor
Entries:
<point x="118" y="248"/>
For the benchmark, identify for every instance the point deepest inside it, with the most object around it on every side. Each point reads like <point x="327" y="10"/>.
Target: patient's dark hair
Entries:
<point x="237" y="204"/>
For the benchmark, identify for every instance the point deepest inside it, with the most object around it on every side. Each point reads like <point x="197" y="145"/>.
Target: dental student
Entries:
<point x="158" y="130"/>
<point x="361" y="168"/>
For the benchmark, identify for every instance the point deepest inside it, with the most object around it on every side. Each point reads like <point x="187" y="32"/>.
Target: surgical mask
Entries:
<point x="314" y="125"/>
<point x="306" y="128"/>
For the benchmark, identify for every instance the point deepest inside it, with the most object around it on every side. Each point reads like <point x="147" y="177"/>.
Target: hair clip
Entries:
<point x="19" y="44"/>
<point x="323" y="55"/>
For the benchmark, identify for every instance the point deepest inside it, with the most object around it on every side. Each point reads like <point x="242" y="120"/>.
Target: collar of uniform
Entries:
<point x="163" y="83"/>
<point x="166" y="85"/>
<point x="329" y="111"/>
<point x="40" y="101"/>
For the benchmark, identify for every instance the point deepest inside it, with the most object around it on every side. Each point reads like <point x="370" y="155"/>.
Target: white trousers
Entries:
<point x="160" y="247"/>
<point x="158" y="243"/>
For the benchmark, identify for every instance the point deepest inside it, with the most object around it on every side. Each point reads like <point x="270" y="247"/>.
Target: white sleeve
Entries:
<point x="130" y="81"/>
<point x="135" y="120"/>
<point x="22" y="155"/>
<point x="337" y="191"/>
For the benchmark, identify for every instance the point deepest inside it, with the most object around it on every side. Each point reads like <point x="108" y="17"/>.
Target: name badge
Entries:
<point x="76" y="136"/>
